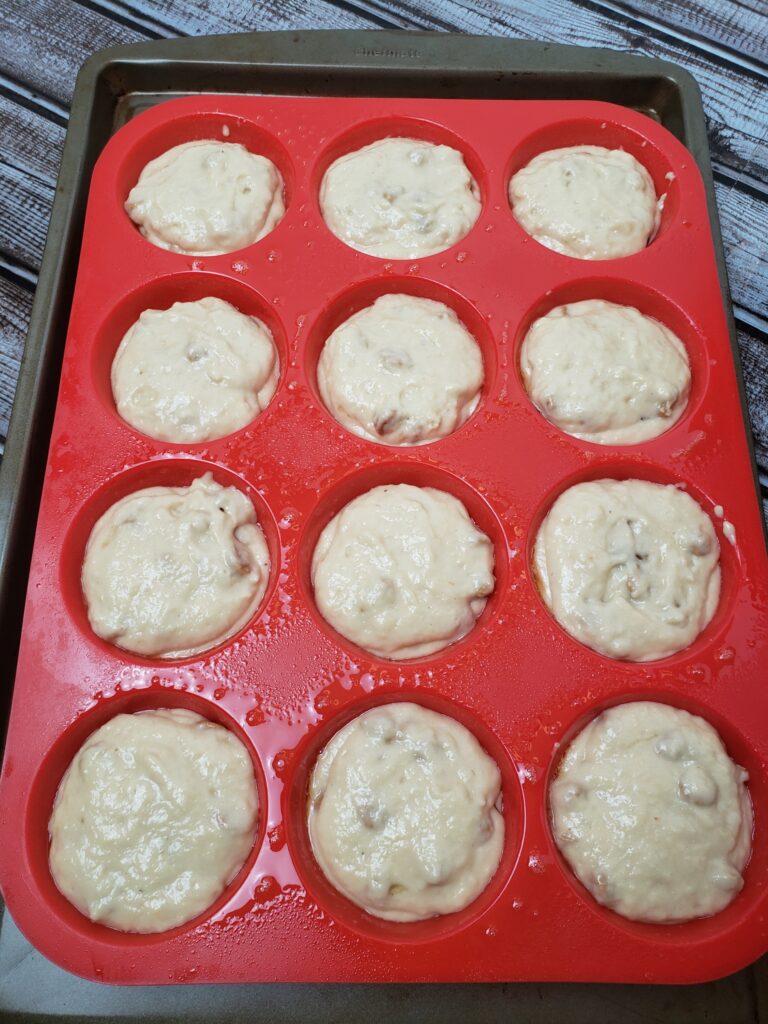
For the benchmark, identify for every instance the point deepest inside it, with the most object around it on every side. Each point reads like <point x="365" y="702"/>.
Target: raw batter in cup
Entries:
<point x="153" y="819"/>
<point x="172" y="571"/>
<point x="195" y="372"/>
<point x="652" y="815"/>
<point x="403" y="814"/>
<point x="605" y="373"/>
<point x="400" y="198"/>
<point x="206" y="197"/>
<point x="586" y="201"/>
<point x="629" y="568"/>
<point x="402" y="371"/>
<point x="402" y="571"/>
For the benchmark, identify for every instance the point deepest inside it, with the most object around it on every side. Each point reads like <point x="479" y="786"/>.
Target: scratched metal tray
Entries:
<point x="113" y="86"/>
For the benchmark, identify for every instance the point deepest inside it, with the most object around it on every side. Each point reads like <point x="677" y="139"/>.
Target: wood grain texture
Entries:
<point x="204" y="18"/>
<point x="744" y="220"/>
<point x="754" y="363"/>
<point x="29" y="164"/>
<point x="43" y="44"/>
<point x="740" y="26"/>
<point x="31" y="141"/>
<point x="15" y="307"/>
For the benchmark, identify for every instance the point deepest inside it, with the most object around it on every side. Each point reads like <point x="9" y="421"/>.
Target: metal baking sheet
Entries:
<point x="113" y="86"/>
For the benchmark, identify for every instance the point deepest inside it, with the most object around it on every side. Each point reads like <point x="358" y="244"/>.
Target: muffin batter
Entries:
<point x="629" y="568"/>
<point x="652" y="815"/>
<point x="605" y="373"/>
<point x="194" y="372"/>
<point x="403" y="371"/>
<point x="153" y="819"/>
<point x="402" y="571"/>
<point x="207" y="197"/>
<point x="172" y="571"/>
<point x="586" y="201"/>
<point x="400" y="198"/>
<point x="402" y="813"/>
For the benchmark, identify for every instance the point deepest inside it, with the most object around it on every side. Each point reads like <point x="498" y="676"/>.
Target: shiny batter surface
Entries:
<point x="403" y="814"/>
<point x="172" y="571"/>
<point x="605" y="373"/>
<point x="628" y="567"/>
<point x="194" y="372"/>
<point x="402" y="571"/>
<point x="402" y="371"/>
<point x="400" y="198"/>
<point x="206" y="197"/>
<point x="652" y="815"/>
<point x="153" y="818"/>
<point x="586" y="201"/>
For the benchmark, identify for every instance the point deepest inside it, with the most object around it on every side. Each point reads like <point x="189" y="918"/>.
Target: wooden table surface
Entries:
<point x="724" y="43"/>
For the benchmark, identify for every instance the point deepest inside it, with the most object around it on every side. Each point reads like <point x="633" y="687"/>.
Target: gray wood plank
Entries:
<point x="737" y="25"/>
<point x="25" y="206"/>
<point x="172" y="17"/>
<point x="31" y="142"/>
<point x="754" y="363"/>
<point x="29" y="163"/>
<point x="15" y="307"/>
<point x="744" y="221"/>
<point x="736" y="101"/>
<point x="43" y="43"/>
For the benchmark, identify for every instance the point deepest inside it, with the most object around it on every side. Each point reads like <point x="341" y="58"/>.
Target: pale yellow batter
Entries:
<point x="195" y="372"/>
<point x="172" y="571"/>
<point x="402" y="571"/>
<point x="588" y="202"/>
<point x="403" y="813"/>
<point x="628" y="567"/>
<point x="403" y="371"/>
<point x="206" y="197"/>
<point x="400" y="198"/>
<point x="154" y="817"/>
<point x="652" y="815"/>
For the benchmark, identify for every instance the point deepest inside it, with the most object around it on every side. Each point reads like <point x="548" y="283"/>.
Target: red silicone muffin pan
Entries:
<point x="287" y="681"/>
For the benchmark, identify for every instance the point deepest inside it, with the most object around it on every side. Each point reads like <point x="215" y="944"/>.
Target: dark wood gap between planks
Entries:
<point x="717" y="51"/>
<point x="125" y="15"/>
<point x="37" y="102"/>
<point x="16" y="273"/>
<point x="377" y="20"/>
<point x="742" y="182"/>
<point x="631" y="18"/>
